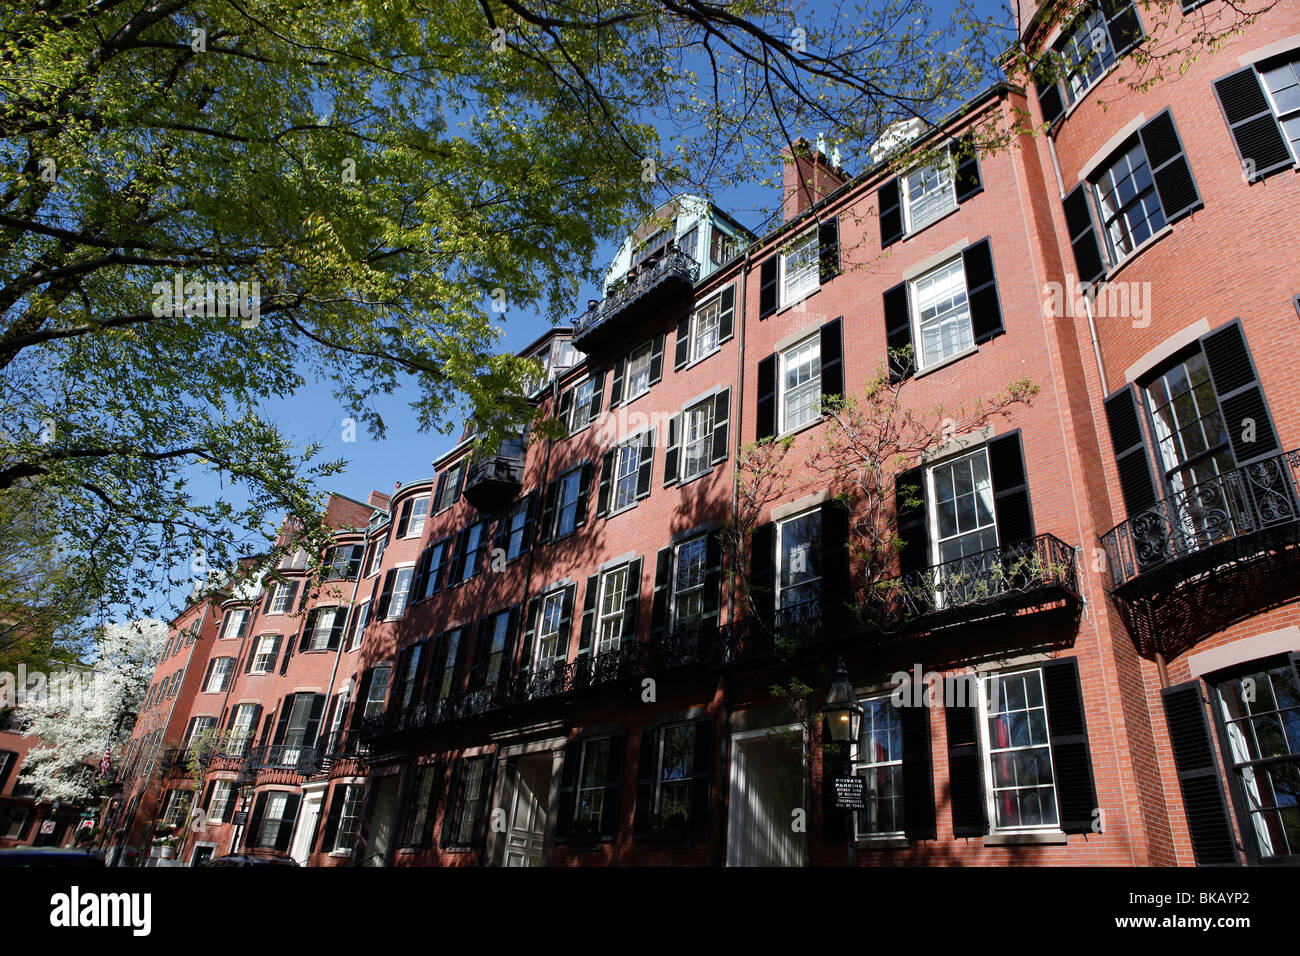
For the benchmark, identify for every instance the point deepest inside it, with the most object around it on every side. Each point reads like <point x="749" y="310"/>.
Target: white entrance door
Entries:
<point x="766" y="790"/>
<point x="527" y="834"/>
<point x="381" y="823"/>
<point x="307" y="820"/>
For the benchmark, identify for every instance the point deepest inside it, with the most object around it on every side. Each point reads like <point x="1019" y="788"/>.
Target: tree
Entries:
<point x="203" y="203"/>
<point x="88" y="712"/>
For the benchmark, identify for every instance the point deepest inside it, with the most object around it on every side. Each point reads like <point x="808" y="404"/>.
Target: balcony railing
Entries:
<point x="646" y="285"/>
<point x="1192" y="523"/>
<point x="492" y="482"/>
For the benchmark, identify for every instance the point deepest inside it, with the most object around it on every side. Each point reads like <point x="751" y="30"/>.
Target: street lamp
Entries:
<point x="843" y="721"/>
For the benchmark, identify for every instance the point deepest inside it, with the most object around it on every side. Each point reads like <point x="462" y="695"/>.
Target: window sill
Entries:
<point x="1150" y="241"/>
<point x="340" y="854"/>
<point x="795" y="304"/>
<point x="578" y="431"/>
<point x="703" y="358"/>
<point x="1069" y="110"/>
<point x="937" y="219"/>
<point x="1027" y="838"/>
<point x="686" y="481"/>
<point x="819" y="420"/>
<point x="882" y="843"/>
<point x="623" y="510"/>
<point x="955" y="357"/>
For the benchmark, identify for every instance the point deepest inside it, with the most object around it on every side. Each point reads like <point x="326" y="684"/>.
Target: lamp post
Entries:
<point x="843" y="722"/>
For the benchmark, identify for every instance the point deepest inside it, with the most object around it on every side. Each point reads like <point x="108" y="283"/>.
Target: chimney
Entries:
<point x="809" y="176"/>
<point x="378" y="500"/>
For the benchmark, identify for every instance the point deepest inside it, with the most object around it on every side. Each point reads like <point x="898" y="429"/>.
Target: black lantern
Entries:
<point x="843" y="712"/>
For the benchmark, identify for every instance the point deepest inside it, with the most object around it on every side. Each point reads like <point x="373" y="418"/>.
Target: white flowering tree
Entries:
<point x="80" y="713"/>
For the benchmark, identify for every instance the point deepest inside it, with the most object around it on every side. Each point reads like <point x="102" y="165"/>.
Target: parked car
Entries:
<point x="50" y="856"/>
<point x="247" y="859"/>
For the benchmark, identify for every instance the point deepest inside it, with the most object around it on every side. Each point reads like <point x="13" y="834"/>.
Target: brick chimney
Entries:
<point x="808" y="177"/>
<point x="378" y="500"/>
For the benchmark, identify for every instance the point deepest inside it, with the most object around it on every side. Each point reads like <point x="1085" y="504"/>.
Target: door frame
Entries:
<point x="733" y="782"/>
<point x="507" y="755"/>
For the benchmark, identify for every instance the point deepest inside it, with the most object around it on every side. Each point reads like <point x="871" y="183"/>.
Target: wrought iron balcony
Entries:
<point x="648" y="286"/>
<point x="493" y="482"/>
<point x="293" y="758"/>
<point x="1182" y="567"/>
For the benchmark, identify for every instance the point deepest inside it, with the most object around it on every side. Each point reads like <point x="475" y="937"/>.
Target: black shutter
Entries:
<point x="1015" y="517"/>
<point x="289" y="606"/>
<point x="420" y="580"/>
<point x="727" y="317"/>
<point x="659" y="600"/>
<point x="336" y="630"/>
<point x="616" y="390"/>
<point x="965" y="775"/>
<point x="482" y="645"/>
<point x="606" y="483"/>
<point x="584" y="496"/>
<point x="828" y="249"/>
<point x="359" y="701"/>
<point x="530" y="633"/>
<point x="657" y="358"/>
<point x="308" y="626"/>
<point x="248" y="661"/>
<point x="275" y="653"/>
<point x="285" y="834"/>
<point x="566" y="621"/>
<point x="982" y="291"/>
<point x="1208" y="823"/>
<point x="898" y="332"/>
<point x="609" y="810"/>
<point x="767" y="289"/>
<point x="354" y="561"/>
<point x="647" y="765"/>
<point x="1123" y="25"/>
<point x="404" y="517"/>
<point x="286" y="709"/>
<point x="337" y="797"/>
<point x="1050" y="101"/>
<point x="1239" y="392"/>
<point x="255" y="820"/>
<point x="835" y="556"/>
<point x="911" y="521"/>
<point x="889" y="198"/>
<point x="701" y="778"/>
<point x="385" y="595"/>
<point x="1076" y="796"/>
<point x="248" y="618"/>
<point x="762" y="585"/>
<point x="597" y="393"/>
<point x="436" y="504"/>
<point x="1083" y="235"/>
<point x="1136" y="481"/>
<point x="673" y="452"/>
<point x="453" y="808"/>
<point x="565" y="410"/>
<point x="712" y="587"/>
<point x="918" y="771"/>
<point x="631" y="601"/>
<point x="766" y="422"/>
<point x="721" y="415"/>
<point x="313" y="720"/>
<point x="832" y="359"/>
<point x="484" y="801"/>
<point x="458" y="557"/>
<point x="547" y="526"/>
<point x="207" y="674"/>
<point x="588" y="635"/>
<point x="967" y="181"/>
<point x="1169" y="167"/>
<point x="645" y="464"/>
<point x="567" y="804"/>
<point x="1254" y="127"/>
<point x="207" y="795"/>
<point x="682" y="354"/>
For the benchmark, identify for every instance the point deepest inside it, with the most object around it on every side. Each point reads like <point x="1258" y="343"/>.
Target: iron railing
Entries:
<point x="1255" y="497"/>
<point x="672" y="264"/>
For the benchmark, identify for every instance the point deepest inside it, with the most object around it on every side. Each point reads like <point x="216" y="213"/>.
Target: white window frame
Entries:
<point x="320" y="632"/>
<point x="373" y="705"/>
<point x="601" y="643"/>
<point x="657" y="803"/>
<point x="241" y="737"/>
<point x="1290" y="59"/>
<point x="949" y="188"/>
<point x="932" y="504"/>
<point x="265" y="643"/>
<point x="1096" y="187"/>
<point x="201" y="723"/>
<point x="809" y="281"/>
<point x="814" y="383"/>
<point x="234" y="622"/>
<point x="589" y="388"/>
<point x="349" y="823"/>
<point x="923" y="360"/>
<point x="629" y="451"/>
<point x="592" y="820"/>
<point x="562" y="505"/>
<point x="223" y="791"/>
<point x="377" y="556"/>
<point x="359" y="625"/>
<point x="702" y="411"/>
<point x="449" y="487"/>
<point x="419" y="515"/>
<point x="268" y="818"/>
<point x="638" y="363"/>
<point x="863" y="766"/>
<point x="555" y="600"/>
<point x="1078" y="41"/>
<point x="711" y="311"/>
<point x="280" y="599"/>
<point x="675" y="593"/>
<point x="986" y="753"/>
<point x="401" y="589"/>
<point x="221" y="670"/>
<point x="780" y="555"/>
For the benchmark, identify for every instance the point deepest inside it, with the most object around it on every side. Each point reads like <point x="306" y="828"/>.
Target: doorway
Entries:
<point x="307" y="821"/>
<point x="767" y="787"/>
<point x="383" y="810"/>
<point x="527" y="795"/>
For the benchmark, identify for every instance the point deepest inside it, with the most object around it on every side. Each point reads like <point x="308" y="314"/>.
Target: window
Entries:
<point x="414" y="512"/>
<point x="219" y="675"/>
<point x="407" y="678"/>
<point x="626" y="467"/>
<point x="547" y="649"/>
<point x="638" y="371"/>
<point x="688" y="583"/>
<point x="517" y="528"/>
<point x="705" y="333"/>
<point x="198" y="726"/>
<point x="928" y="193"/>
<point x="242" y="727"/>
<point x="419" y="822"/>
<point x="359" y="621"/>
<point x="498" y="635"/>
<point x="1282" y="81"/>
<point x="401" y="590"/>
<point x="1087" y="54"/>
<point x="1018" y="769"/>
<point x="722" y="247"/>
<point x="942" y="313"/>
<point x="322" y="621"/>
<point x="879" y="761"/>
<point x="344" y="562"/>
<point x="8" y="760"/>
<point x="648" y="247"/>
<point x="235" y="622"/>
<point x="223" y="793"/>
<point x="295" y="731"/>
<point x="1189" y="428"/>
<point x="800" y="269"/>
<point x="447" y="672"/>
<point x="801" y="395"/>
<point x="377" y="555"/>
<point x="469" y="804"/>
<point x="469" y="556"/>
<point x="799" y="557"/>
<point x="962" y="495"/>
<point x="1259" y="712"/>
<point x="378" y="690"/>
<point x="1126" y="195"/>
<point x="282" y="598"/>
<point x="566" y="503"/>
<point x="175" y="806"/>
<point x="277" y="808"/>
<point x="593" y="777"/>
<point x="672" y="798"/>
<point x="584" y="403"/>
<point x="449" y="486"/>
<point x="688" y="242"/>
<point x="431" y="579"/>
<point x="697" y="440"/>
<point x="613" y="595"/>
<point x="349" y="817"/>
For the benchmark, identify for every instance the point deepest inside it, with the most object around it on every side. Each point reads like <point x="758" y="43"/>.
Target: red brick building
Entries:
<point x="540" y="657"/>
